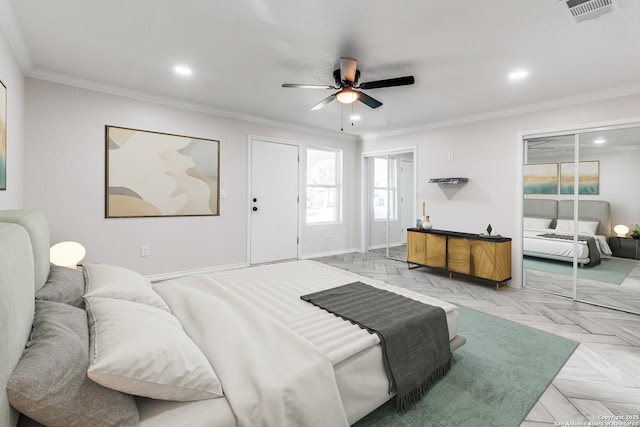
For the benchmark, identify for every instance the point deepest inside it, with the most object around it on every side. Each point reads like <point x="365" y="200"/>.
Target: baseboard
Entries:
<point x="176" y="274"/>
<point x="332" y="253"/>
<point x="384" y="245"/>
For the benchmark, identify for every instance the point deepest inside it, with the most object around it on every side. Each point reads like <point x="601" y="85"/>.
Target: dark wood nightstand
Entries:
<point x="625" y="247"/>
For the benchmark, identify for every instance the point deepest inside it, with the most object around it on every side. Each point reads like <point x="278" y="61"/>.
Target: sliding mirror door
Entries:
<point x="586" y="252"/>
<point x="390" y="201"/>
<point x="608" y="205"/>
<point x="547" y="257"/>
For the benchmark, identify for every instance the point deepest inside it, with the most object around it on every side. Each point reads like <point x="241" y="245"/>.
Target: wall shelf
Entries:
<point x="448" y="180"/>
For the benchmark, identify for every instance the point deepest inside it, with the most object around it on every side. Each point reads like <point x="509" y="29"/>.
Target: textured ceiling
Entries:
<point x="242" y="51"/>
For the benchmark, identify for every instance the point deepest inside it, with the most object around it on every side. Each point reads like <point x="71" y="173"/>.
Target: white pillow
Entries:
<point x="109" y="281"/>
<point x="142" y="350"/>
<point x="586" y="227"/>
<point x="530" y="222"/>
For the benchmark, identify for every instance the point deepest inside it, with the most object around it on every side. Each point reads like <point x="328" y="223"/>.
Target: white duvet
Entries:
<point x="266" y="386"/>
<point x="560" y="247"/>
<point x="274" y="353"/>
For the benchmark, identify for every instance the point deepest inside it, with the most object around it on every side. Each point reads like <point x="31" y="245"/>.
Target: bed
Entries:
<point x="548" y="230"/>
<point x="230" y="348"/>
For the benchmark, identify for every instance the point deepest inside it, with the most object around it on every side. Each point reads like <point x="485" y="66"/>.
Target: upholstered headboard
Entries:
<point x="540" y="208"/>
<point x="38" y="229"/>
<point x="16" y="306"/>
<point x="588" y="210"/>
<point x="24" y="267"/>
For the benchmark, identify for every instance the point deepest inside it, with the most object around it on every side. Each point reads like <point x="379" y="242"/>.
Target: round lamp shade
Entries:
<point x="621" y="230"/>
<point x="67" y="254"/>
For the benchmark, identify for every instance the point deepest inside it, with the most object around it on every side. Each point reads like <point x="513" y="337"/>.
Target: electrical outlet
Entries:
<point x="328" y="234"/>
<point x="144" y="250"/>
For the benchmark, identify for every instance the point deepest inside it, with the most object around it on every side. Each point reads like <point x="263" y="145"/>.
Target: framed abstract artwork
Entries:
<point x="588" y="177"/>
<point x="541" y="178"/>
<point x="3" y="136"/>
<point x="153" y="174"/>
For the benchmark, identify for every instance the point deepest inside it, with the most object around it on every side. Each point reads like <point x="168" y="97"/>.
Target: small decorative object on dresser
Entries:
<point x="426" y="223"/>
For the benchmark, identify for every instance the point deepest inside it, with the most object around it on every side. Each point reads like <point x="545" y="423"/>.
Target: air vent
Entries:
<point x="448" y="180"/>
<point x="583" y="10"/>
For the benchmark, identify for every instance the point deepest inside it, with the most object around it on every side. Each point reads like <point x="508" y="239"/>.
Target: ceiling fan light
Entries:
<point x="347" y="96"/>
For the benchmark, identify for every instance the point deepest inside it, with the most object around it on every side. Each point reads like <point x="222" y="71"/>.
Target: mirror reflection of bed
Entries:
<point x="548" y="250"/>
<point x="607" y="167"/>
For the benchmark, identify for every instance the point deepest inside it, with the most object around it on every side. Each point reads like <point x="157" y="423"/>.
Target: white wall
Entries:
<point x="13" y="78"/>
<point x="65" y="178"/>
<point x="487" y="153"/>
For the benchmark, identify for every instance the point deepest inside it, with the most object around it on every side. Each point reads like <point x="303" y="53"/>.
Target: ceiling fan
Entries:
<point x="346" y="82"/>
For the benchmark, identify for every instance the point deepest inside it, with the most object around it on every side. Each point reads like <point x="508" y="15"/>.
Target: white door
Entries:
<point x="406" y="198"/>
<point x="274" y="202"/>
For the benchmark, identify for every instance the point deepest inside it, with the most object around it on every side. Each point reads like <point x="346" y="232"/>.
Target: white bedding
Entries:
<point x="560" y="248"/>
<point x="269" y="295"/>
<point x="265" y="386"/>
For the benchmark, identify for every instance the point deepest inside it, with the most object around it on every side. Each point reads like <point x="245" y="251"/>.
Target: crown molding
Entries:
<point x="14" y="34"/>
<point x="514" y="111"/>
<point x="172" y="102"/>
<point x="202" y="108"/>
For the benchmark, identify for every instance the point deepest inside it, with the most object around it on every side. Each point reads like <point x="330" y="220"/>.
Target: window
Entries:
<point x="385" y="188"/>
<point x="323" y="185"/>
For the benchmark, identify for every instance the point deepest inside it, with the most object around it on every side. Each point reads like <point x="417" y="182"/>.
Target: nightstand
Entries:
<point x="625" y="247"/>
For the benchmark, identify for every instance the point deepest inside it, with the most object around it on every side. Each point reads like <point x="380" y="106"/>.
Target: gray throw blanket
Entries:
<point x="594" y="252"/>
<point x="414" y="336"/>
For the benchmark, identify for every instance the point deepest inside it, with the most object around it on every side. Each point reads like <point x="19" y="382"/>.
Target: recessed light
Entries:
<point x="599" y="141"/>
<point x="182" y="70"/>
<point x="518" y="75"/>
<point x="354" y="117"/>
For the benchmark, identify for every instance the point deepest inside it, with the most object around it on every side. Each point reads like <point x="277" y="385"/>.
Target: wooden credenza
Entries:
<point x="468" y="254"/>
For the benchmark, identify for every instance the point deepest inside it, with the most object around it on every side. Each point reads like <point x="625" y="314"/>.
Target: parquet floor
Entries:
<point x="601" y="380"/>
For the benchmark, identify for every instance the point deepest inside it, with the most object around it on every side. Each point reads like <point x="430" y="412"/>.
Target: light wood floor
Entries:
<point x="602" y="377"/>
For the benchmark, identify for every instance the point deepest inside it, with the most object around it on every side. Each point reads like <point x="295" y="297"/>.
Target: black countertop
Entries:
<point x="492" y="238"/>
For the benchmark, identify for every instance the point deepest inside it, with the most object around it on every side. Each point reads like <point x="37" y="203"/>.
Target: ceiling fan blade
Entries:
<point x="308" y="86"/>
<point x="398" y="81"/>
<point x="324" y="102"/>
<point x="348" y="67"/>
<point x="368" y="101"/>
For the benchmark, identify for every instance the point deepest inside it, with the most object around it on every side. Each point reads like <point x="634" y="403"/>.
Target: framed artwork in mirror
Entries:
<point x="588" y="178"/>
<point x="541" y="178"/>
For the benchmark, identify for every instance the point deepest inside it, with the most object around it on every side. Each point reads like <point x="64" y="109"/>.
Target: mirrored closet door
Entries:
<point x="390" y="203"/>
<point x="579" y="213"/>
<point x="547" y="262"/>
<point x="609" y="174"/>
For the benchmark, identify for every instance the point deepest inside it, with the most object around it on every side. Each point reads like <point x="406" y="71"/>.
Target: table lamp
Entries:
<point x="621" y="230"/>
<point x="67" y="254"/>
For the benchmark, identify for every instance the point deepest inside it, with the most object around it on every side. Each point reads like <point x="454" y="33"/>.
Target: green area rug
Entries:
<point x="611" y="270"/>
<point x="495" y="380"/>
